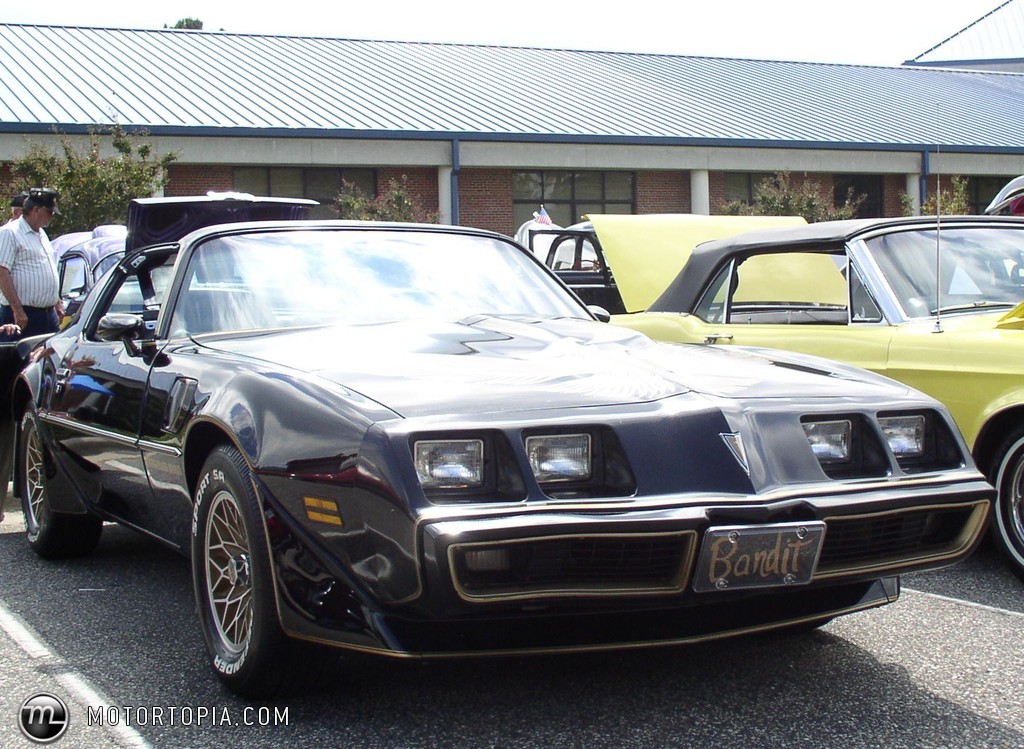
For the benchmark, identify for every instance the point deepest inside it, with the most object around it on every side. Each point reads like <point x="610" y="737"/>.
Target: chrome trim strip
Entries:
<point x="959" y="482"/>
<point x="89" y="429"/>
<point x="121" y="439"/>
<point x="157" y="447"/>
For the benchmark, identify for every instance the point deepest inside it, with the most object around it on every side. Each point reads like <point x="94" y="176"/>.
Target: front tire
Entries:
<point x="52" y="535"/>
<point x="232" y="577"/>
<point x="1008" y="514"/>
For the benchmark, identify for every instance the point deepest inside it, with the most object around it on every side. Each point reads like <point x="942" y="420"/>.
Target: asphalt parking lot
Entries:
<point x="114" y="635"/>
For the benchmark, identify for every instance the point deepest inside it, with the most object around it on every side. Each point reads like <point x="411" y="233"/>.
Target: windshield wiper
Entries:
<point x="981" y="304"/>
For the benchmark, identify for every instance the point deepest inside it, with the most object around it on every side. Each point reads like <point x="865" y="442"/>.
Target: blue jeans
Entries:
<point x="40" y="320"/>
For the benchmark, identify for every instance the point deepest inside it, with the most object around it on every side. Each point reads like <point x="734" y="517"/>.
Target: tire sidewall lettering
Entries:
<point x="211" y="476"/>
<point x="213" y="480"/>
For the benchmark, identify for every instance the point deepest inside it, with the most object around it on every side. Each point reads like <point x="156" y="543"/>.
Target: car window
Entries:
<point x="281" y="279"/>
<point x="863" y="307"/>
<point x="790" y="288"/>
<point x="105" y="264"/>
<point x="966" y="268"/>
<point x="138" y="293"/>
<point x="73" y="276"/>
<point x="713" y="304"/>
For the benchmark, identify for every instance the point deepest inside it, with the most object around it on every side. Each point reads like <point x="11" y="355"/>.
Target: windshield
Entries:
<point x="978" y="267"/>
<point x="318" y="277"/>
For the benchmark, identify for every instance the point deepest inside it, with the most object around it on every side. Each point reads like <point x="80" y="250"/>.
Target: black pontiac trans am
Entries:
<point x="415" y="441"/>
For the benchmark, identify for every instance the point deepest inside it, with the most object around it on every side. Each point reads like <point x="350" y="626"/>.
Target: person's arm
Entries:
<point x="11" y="295"/>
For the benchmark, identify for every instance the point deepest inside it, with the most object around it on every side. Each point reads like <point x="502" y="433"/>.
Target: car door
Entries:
<point x="811" y="302"/>
<point x="98" y="395"/>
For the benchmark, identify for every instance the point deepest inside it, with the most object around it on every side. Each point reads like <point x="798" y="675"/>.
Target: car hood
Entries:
<point x="645" y="252"/>
<point x="488" y="364"/>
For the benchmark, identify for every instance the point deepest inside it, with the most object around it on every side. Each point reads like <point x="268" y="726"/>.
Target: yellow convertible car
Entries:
<point x="938" y="305"/>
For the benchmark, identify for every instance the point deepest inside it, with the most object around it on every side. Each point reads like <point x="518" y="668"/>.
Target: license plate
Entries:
<point x="735" y="557"/>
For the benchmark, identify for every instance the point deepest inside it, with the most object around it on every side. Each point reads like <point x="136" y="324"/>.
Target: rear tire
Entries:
<point x="233" y="579"/>
<point x="1008" y="514"/>
<point x="52" y="535"/>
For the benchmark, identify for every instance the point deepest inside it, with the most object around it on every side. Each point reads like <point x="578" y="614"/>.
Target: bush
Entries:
<point x="93" y="189"/>
<point x="394" y="204"/>
<point x="952" y="202"/>
<point x="776" y="196"/>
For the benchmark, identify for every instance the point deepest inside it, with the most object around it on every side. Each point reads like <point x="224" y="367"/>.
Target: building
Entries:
<point x="993" y="42"/>
<point x="483" y="134"/>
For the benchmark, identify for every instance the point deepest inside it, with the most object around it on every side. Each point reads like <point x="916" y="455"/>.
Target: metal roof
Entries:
<point x="214" y="83"/>
<point x="996" y="36"/>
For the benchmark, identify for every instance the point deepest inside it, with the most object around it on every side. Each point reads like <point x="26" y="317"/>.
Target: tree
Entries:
<point x="394" y="204"/>
<point x="193" y="24"/>
<point x="952" y="202"/>
<point x="93" y="189"/>
<point x="776" y="196"/>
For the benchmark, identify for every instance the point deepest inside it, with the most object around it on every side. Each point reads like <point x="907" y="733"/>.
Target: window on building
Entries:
<point x="742" y="187"/>
<point x="568" y="196"/>
<point x="317" y="183"/>
<point x="981" y="190"/>
<point x="865" y="186"/>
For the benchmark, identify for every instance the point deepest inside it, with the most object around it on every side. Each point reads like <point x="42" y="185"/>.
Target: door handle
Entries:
<point x="62" y="375"/>
<point x="716" y="337"/>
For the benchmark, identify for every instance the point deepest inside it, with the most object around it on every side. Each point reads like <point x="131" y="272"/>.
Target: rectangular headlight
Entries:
<point x="559" y="457"/>
<point x="905" y="434"/>
<point x="449" y="464"/>
<point x="830" y="440"/>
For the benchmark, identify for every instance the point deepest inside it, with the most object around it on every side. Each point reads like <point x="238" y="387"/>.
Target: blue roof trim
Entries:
<point x="534" y="139"/>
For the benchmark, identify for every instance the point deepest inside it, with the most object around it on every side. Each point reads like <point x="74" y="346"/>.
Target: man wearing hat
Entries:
<point x="28" y="276"/>
<point x="17" y="206"/>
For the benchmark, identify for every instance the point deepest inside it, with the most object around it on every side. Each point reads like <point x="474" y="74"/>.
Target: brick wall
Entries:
<point x="663" y="192"/>
<point x="7" y="187"/>
<point x="485" y="199"/>
<point x="420" y="182"/>
<point x="894" y="187"/>
<point x="198" y="179"/>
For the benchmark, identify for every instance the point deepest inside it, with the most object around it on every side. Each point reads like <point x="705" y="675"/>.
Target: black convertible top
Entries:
<point x="683" y="294"/>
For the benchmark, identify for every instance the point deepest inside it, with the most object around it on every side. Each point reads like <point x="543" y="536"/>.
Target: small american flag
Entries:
<point x="542" y="216"/>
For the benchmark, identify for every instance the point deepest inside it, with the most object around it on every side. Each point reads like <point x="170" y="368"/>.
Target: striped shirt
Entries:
<point x="28" y="256"/>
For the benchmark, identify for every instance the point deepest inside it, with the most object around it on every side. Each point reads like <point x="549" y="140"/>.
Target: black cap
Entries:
<point x="19" y="200"/>
<point x="42" y="196"/>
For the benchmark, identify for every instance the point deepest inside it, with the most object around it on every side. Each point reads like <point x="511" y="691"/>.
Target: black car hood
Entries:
<point x="487" y="365"/>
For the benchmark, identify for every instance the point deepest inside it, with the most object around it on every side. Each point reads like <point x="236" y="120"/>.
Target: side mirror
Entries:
<point x="599" y="312"/>
<point x="118" y="326"/>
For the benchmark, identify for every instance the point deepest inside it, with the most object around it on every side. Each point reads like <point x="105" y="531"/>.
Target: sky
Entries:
<point x="859" y="32"/>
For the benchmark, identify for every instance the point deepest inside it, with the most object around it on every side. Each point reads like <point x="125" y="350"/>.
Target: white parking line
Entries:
<point x="84" y="693"/>
<point x="972" y="604"/>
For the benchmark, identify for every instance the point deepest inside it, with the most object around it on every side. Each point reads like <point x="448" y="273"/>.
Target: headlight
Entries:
<point x="905" y="434"/>
<point x="559" y="457"/>
<point x="830" y="440"/>
<point x="449" y="464"/>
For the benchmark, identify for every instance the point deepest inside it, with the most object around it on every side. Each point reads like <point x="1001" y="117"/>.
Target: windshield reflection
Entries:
<point x="321" y="277"/>
<point x="977" y="268"/>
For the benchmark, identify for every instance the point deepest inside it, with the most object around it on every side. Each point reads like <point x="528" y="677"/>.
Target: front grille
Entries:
<point x="573" y="565"/>
<point x="893" y="538"/>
